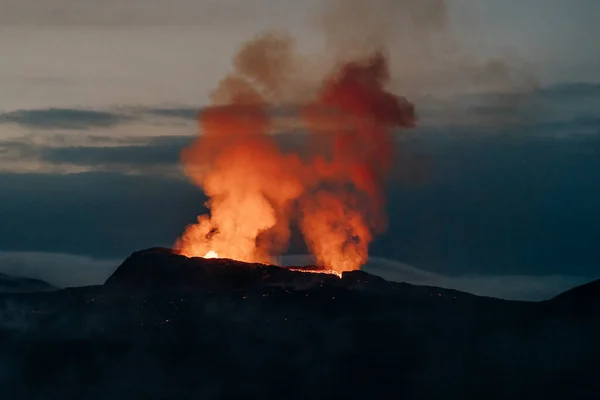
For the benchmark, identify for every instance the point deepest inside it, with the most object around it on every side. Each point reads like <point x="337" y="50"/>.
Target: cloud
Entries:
<point x="63" y="118"/>
<point x="133" y="144"/>
<point x="58" y="269"/>
<point x="156" y="151"/>
<point x="509" y="287"/>
<point x="19" y="157"/>
<point x="127" y="140"/>
<point x="134" y="155"/>
<point x="182" y="113"/>
<point x="553" y="108"/>
<point x="84" y="119"/>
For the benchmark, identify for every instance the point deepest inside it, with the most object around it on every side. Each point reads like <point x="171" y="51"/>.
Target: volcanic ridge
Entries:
<point x="164" y="270"/>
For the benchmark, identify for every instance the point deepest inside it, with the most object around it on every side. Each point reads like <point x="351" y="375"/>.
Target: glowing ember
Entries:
<point x="334" y="193"/>
<point x="211" y="254"/>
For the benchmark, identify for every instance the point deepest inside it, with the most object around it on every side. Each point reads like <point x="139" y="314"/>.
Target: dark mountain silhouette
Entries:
<point x="164" y="326"/>
<point x="11" y="284"/>
<point x="588" y="293"/>
<point x="581" y="300"/>
<point x="161" y="270"/>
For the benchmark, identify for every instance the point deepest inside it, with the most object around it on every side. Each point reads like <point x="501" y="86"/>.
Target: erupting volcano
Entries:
<point x="334" y="191"/>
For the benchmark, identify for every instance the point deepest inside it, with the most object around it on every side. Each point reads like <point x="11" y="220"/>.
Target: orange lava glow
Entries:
<point x="320" y="271"/>
<point x="333" y="190"/>
<point x="211" y="254"/>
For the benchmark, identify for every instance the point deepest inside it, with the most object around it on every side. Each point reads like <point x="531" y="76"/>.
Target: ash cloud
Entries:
<point x="425" y="50"/>
<point x="63" y="118"/>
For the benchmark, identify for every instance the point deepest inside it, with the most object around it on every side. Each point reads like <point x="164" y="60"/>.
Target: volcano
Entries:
<point x="168" y="326"/>
<point x="160" y="270"/>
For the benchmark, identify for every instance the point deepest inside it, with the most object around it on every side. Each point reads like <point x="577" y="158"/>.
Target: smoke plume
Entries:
<point x="256" y="190"/>
<point x="344" y="101"/>
<point x="424" y="46"/>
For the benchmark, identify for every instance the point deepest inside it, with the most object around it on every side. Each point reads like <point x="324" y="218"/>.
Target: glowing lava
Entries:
<point x="317" y="271"/>
<point x="211" y="254"/>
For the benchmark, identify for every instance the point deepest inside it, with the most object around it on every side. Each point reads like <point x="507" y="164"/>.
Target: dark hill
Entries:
<point x="588" y="293"/>
<point x="165" y="326"/>
<point x="584" y="299"/>
<point x="159" y="270"/>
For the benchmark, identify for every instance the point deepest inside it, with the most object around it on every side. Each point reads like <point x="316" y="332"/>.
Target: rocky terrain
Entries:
<point x="164" y="326"/>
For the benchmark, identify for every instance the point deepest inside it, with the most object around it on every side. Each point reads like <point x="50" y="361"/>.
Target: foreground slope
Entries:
<point x="167" y="326"/>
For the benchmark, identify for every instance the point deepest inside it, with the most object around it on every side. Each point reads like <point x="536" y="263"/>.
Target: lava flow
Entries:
<point x="333" y="192"/>
<point x="317" y="271"/>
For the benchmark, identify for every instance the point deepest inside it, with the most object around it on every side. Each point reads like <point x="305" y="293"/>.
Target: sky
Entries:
<point x="499" y="181"/>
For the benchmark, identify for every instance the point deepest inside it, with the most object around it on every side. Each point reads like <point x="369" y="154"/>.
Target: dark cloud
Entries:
<point x="78" y="119"/>
<point x="140" y="155"/>
<point x="468" y="109"/>
<point x="191" y="113"/>
<point x="123" y="155"/>
<point x="63" y="118"/>
<point x="156" y="151"/>
<point x="182" y="113"/>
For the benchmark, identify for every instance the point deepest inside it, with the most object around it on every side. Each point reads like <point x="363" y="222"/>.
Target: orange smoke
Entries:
<point x="256" y="190"/>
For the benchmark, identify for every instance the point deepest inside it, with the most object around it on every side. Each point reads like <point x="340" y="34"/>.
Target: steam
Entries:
<point x="256" y="190"/>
